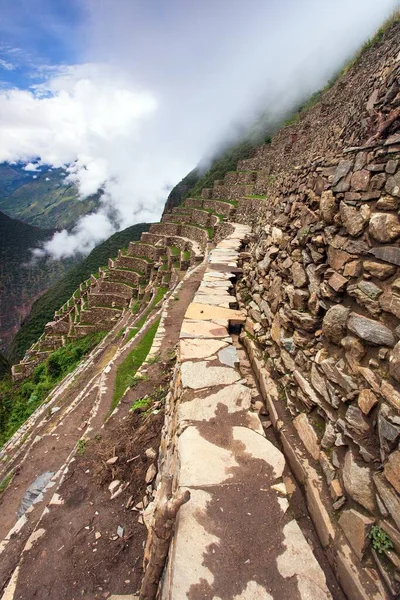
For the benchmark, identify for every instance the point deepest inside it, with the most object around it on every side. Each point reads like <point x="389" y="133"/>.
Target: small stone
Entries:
<point x="335" y="490"/>
<point x="307" y="434"/>
<point x="353" y="348"/>
<point x="394" y="362"/>
<point x="334" y="323"/>
<point x="352" y="268"/>
<point x="391" y="166"/>
<point x="113" y="485"/>
<point x="392" y="470"/>
<point x="354" y="220"/>
<point x="327" y="467"/>
<point x="369" y="289"/>
<point x="384" y="227"/>
<point x="328" y="439"/>
<point x="360" y="180"/>
<point x="338" y="282"/>
<point x="97" y="535"/>
<point x="367" y="400"/>
<point x="356" y="528"/>
<point x="299" y="275"/>
<point x="342" y="170"/>
<point x="390" y="254"/>
<point x="357" y="481"/>
<point x="391" y="395"/>
<point x="387" y="203"/>
<point x="356" y="420"/>
<point x="120" y="531"/>
<point x="393" y="185"/>
<point x="150" y="473"/>
<point x="327" y="206"/>
<point x="379" y="270"/>
<point x="112" y="461"/>
<point x="389" y="496"/>
<point x="370" y="330"/>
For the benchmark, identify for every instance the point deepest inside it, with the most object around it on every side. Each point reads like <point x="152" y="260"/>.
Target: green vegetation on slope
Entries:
<point x="45" y="307"/>
<point x="128" y="368"/>
<point x="21" y="279"/>
<point x="19" y="400"/>
<point x="159" y="295"/>
<point x="42" y="198"/>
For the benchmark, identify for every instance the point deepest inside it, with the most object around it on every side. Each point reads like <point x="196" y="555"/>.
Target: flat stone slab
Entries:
<point x="202" y="329"/>
<point x="215" y="300"/>
<point x="203" y="463"/>
<point x="228" y="356"/>
<point x="203" y="312"/>
<point x="190" y="349"/>
<point x="197" y="375"/>
<point x="235" y="398"/>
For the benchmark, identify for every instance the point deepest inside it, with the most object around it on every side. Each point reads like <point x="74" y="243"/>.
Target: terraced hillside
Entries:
<point x="235" y="433"/>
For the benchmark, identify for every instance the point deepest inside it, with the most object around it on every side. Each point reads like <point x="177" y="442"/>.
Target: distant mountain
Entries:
<point x="21" y="280"/>
<point x="41" y="197"/>
<point x="44" y="307"/>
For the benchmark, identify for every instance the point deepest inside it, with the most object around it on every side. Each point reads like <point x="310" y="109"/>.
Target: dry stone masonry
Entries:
<point x="234" y="537"/>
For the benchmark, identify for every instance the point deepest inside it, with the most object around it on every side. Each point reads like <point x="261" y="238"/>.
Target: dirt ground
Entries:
<point x="68" y="556"/>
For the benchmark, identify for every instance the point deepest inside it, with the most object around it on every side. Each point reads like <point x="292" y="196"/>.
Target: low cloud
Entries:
<point x="159" y="90"/>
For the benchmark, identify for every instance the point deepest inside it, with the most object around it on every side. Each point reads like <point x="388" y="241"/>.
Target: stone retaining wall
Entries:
<point x="195" y="233"/>
<point x="146" y="250"/>
<point x="165" y="228"/>
<point x="322" y="291"/>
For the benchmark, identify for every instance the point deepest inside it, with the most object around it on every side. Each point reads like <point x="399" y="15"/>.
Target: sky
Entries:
<point x="129" y="95"/>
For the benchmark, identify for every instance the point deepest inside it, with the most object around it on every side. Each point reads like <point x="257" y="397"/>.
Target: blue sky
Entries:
<point x="36" y="36"/>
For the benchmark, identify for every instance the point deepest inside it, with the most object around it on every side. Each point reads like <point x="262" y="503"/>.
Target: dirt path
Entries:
<point x="69" y="547"/>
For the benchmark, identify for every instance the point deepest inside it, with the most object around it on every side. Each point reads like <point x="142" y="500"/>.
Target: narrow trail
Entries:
<point x="84" y="404"/>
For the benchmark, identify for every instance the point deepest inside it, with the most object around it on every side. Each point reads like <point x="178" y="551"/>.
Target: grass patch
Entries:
<point x="19" y="400"/>
<point x="81" y="446"/>
<point x="160" y="293"/>
<point x="127" y="369"/>
<point x="4" y="483"/>
<point x="140" y="404"/>
<point x="175" y="251"/>
<point x="186" y="255"/>
<point x="135" y="307"/>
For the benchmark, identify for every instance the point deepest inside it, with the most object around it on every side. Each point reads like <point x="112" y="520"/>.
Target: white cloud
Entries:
<point x="155" y="95"/>
<point x="6" y="65"/>
<point x="31" y="167"/>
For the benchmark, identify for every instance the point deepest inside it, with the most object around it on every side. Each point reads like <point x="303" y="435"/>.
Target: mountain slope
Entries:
<point x="41" y="198"/>
<point x="21" y="281"/>
<point x="45" y="306"/>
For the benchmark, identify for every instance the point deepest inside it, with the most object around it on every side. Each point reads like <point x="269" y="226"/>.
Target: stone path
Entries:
<point x="235" y="538"/>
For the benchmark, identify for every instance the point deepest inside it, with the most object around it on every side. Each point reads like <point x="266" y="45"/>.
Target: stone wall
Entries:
<point x="200" y="217"/>
<point x="195" y="233"/>
<point x="133" y="263"/>
<point x="111" y="300"/>
<point x="322" y="291"/>
<point x="165" y="228"/>
<point x="146" y="250"/>
<point x="222" y="208"/>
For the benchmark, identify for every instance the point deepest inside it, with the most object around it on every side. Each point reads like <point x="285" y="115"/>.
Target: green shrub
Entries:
<point x="19" y="400"/>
